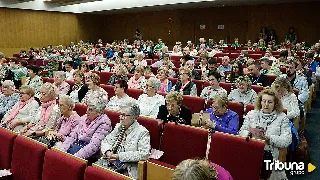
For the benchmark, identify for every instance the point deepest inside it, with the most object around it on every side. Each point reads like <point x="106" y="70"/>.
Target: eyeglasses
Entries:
<point x="122" y="115"/>
<point x="149" y="86"/>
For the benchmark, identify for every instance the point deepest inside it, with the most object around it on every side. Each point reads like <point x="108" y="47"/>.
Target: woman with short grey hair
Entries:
<point x="150" y="102"/>
<point x="59" y="82"/>
<point x="8" y="98"/>
<point x="84" y="141"/>
<point x="127" y="144"/>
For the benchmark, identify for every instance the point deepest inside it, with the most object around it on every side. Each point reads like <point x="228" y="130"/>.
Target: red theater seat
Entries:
<point x="134" y="93"/>
<point x="39" y="62"/>
<point x="180" y="142"/>
<point x="154" y="69"/>
<point x="199" y="84"/>
<point x="176" y="58"/>
<point x="257" y="89"/>
<point x="163" y="94"/>
<point x="50" y="80"/>
<point x="283" y="70"/>
<point x="130" y="75"/>
<point x="149" y="61"/>
<point x="271" y="78"/>
<point x="27" y="159"/>
<point x="60" y="165"/>
<point x="154" y="130"/>
<point x="45" y="79"/>
<point x="241" y="158"/>
<point x="255" y="56"/>
<point x="109" y="89"/>
<point x="195" y="104"/>
<point x="99" y="173"/>
<point x="113" y="116"/>
<point x="81" y="109"/>
<point x="173" y="80"/>
<point x="176" y="63"/>
<point x="105" y="76"/>
<point x="70" y="82"/>
<point x="6" y="143"/>
<point x="226" y="86"/>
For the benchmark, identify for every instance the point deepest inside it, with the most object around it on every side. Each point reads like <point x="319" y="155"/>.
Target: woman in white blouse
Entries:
<point x="139" y="60"/>
<point x="150" y="102"/>
<point x="243" y="94"/>
<point x="59" y="82"/>
<point x="34" y="81"/>
<point x="214" y="89"/>
<point x="94" y="92"/>
<point x="23" y="112"/>
<point x="121" y="99"/>
<point x="288" y="98"/>
<point x="79" y="89"/>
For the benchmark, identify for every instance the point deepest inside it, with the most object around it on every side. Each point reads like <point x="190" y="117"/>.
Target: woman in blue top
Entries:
<point x="222" y="119"/>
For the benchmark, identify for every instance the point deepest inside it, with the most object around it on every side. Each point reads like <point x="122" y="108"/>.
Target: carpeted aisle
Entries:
<point x="312" y="135"/>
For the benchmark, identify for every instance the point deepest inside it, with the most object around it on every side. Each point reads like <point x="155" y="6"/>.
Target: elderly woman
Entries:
<point x="121" y="73"/>
<point x="243" y="94"/>
<point x="95" y="91"/>
<point x="222" y="119"/>
<point x="47" y="115"/>
<point x="139" y="60"/>
<point x="150" y="102"/>
<point x="121" y="99"/>
<point x="288" y="98"/>
<point x="138" y="80"/>
<point x="79" y="89"/>
<point x="174" y="111"/>
<point x="185" y="86"/>
<point x="267" y="122"/>
<point x="166" y="84"/>
<point x="65" y="124"/>
<point x="214" y="89"/>
<point x="193" y="169"/>
<point x="34" y="81"/>
<point x="85" y="140"/>
<point x="60" y="83"/>
<point x="8" y="98"/>
<point x="127" y="144"/>
<point x="23" y="112"/>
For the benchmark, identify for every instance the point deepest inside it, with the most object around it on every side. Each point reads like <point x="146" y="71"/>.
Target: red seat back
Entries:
<point x="81" y="109"/>
<point x="271" y="78"/>
<point x="39" y="62"/>
<point x="96" y="173"/>
<point x="173" y="80"/>
<point x="154" y="69"/>
<point x="249" y="107"/>
<point x="109" y="89"/>
<point x="130" y="75"/>
<point x="175" y="58"/>
<point x="70" y="82"/>
<point x="105" y="76"/>
<point x="50" y="80"/>
<point x="199" y="84"/>
<point x="176" y="63"/>
<point x="134" y="93"/>
<point x="195" y="104"/>
<point x="232" y="152"/>
<point x="226" y="86"/>
<point x="6" y="143"/>
<point x="163" y="94"/>
<point x="154" y="130"/>
<point x="27" y="159"/>
<point x="56" y="163"/>
<point x="255" y="56"/>
<point x="257" y="89"/>
<point x="283" y="70"/>
<point x="113" y="116"/>
<point x="180" y="142"/>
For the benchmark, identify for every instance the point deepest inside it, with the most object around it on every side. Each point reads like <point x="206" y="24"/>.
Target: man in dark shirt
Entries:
<point x="256" y="77"/>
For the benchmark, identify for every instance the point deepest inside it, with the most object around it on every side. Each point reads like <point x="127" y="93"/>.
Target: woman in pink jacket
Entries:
<point x="85" y="140"/>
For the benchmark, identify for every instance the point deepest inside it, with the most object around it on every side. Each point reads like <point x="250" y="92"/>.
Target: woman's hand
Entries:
<point x="210" y="124"/>
<point x="15" y="123"/>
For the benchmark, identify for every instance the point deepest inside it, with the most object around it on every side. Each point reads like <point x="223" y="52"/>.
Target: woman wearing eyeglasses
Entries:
<point x="8" y="98"/>
<point x="85" y="140"/>
<point x="243" y="94"/>
<point x="126" y="145"/>
<point x="185" y="86"/>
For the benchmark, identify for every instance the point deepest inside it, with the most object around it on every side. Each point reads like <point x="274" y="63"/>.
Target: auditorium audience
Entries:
<point x="60" y="84"/>
<point x="166" y="84"/>
<point x="120" y="99"/>
<point x="138" y="80"/>
<point x="65" y="124"/>
<point x="8" y="98"/>
<point x="47" y="115"/>
<point x="174" y="110"/>
<point x="85" y="140"/>
<point x="185" y="86"/>
<point x="222" y="119"/>
<point x="34" y="81"/>
<point x="95" y="91"/>
<point x="121" y="73"/>
<point x="126" y="145"/>
<point x="214" y="89"/>
<point x="78" y="90"/>
<point x="193" y="169"/>
<point x="150" y="102"/>
<point x="23" y="111"/>
<point x="267" y="122"/>
<point x="243" y="94"/>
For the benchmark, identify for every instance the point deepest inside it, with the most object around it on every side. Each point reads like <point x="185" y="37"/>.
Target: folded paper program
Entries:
<point x="4" y="173"/>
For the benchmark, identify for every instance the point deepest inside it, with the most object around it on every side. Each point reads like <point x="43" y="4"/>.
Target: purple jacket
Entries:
<point x="222" y="173"/>
<point x="227" y="123"/>
<point x="66" y="125"/>
<point x="94" y="134"/>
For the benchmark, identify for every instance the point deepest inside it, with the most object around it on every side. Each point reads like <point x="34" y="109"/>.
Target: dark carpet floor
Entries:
<point x="312" y="135"/>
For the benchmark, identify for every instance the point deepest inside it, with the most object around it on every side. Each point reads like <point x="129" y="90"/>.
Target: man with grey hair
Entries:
<point x="150" y="102"/>
<point x="267" y="69"/>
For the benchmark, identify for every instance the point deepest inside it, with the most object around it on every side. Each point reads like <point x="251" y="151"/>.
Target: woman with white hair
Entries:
<point x="121" y="99"/>
<point x="95" y="91"/>
<point x="47" y="115"/>
<point x="65" y="124"/>
<point x="139" y="60"/>
<point x="127" y="144"/>
<point x="23" y="112"/>
<point x="243" y="94"/>
<point x="59" y="82"/>
<point x="8" y="98"/>
<point x="150" y="102"/>
<point x="85" y="140"/>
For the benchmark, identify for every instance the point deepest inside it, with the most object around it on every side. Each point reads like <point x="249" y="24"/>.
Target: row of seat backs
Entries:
<point x="29" y="159"/>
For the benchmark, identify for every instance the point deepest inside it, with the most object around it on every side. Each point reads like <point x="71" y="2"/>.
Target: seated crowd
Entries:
<point x="45" y="112"/>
